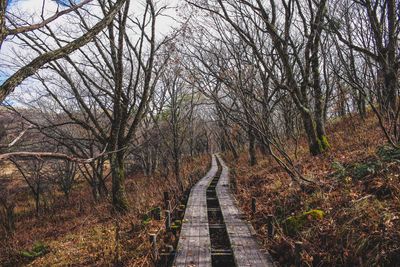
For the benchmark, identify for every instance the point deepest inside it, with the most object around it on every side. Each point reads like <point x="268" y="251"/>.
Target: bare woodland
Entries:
<point x="94" y="103"/>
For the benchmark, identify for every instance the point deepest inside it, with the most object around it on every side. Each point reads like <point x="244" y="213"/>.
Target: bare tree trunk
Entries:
<point x="3" y="33"/>
<point x="37" y="198"/>
<point x="252" y="148"/>
<point x="177" y="173"/>
<point x="390" y="68"/>
<point x="312" y="138"/>
<point x="318" y="95"/>
<point x="119" y="200"/>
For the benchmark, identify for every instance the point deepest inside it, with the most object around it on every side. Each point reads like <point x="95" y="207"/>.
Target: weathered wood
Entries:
<point x="167" y="220"/>
<point x="153" y="242"/>
<point x="194" y="245"/>
<point x="166" y="199"/>
<point x="246" y="250"/>
<point x="253" y="205"/>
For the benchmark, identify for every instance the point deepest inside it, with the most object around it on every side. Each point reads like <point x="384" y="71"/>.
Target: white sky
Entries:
<point x="30" y="10"/>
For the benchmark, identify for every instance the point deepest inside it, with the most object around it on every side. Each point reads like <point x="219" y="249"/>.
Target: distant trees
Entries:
<point x="34" y="176"/>
<point x="173" y="127"/>
<point x="177" y="115"/>
<point x="367" y="38"/>
<point x="65" y="174"/>
<point x="289" y="34"/>
<point x="270" y="66"/>
<point x="255" y="74"/>
<point x="105" y="94"/>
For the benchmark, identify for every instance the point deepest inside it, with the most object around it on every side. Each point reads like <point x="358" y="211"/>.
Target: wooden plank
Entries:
<point x="194" y="245"/>
<point x="246" y="250"/>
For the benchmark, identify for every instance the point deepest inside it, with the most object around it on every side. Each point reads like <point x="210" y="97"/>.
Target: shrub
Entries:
<point x="387" y="153"/>
<point x="361" y="170"/>
<point x="340" y="170"/>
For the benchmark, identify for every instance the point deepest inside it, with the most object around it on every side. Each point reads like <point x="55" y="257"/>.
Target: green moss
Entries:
<point x="38" y="249"/>
<point x="324" y="143"/>
<point x="156" y="213"/>
<point x="293" y="224"/>
<point x="176" y="225"/>
<point x="315" y="214"/>
<point x="146" y="219"/>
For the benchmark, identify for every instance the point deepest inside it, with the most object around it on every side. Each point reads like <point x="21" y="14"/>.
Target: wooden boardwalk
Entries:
<point x="246" y="250"/>
<point x="194" y="245"/>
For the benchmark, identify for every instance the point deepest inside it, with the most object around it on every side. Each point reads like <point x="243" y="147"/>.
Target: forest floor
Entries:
<point x="80" y="232"/>
<point x="353" y="219"/>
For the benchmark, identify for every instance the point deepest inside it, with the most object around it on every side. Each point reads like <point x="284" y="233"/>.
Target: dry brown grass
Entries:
<point x="81" y="232"/>
<point x="361" y="226"/>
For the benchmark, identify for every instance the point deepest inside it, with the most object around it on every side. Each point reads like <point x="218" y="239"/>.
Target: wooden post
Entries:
<point x="166" y="199"/>
<point x="297" y="251"/>
<point x="153" y="241"/>
<point x="234" y="182"/>
<point x="270" y="222"/>
<point x="253" y="205"/>
<point x="167" y="220"/>
<point x="168" y="205"/>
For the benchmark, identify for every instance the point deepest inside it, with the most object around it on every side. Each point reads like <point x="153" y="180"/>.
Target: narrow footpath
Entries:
<point x="213" y="232"/>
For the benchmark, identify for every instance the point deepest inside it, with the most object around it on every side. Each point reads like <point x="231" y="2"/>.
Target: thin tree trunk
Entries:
<point x="37" y="198"/>
<point x="252" y="149"/>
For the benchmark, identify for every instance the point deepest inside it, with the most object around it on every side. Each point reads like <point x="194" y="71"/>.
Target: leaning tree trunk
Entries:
<point x="318" y="95"/>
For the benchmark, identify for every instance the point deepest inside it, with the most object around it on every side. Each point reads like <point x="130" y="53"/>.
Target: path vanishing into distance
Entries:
<point x="213" y="231"/>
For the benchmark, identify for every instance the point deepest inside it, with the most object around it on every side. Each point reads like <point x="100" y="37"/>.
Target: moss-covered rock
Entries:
<point x="38" y="249"/>
<point x="293" y="224"/>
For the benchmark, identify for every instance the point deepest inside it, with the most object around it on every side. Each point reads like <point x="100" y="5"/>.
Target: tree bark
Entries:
<point x="312" y="138"/>
<point x="3" y="30"/>
<point x="119" y="199"/>
<point x="252" y="148"/>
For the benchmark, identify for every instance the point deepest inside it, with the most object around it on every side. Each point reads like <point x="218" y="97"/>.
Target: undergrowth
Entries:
<point x="81" y="232"/>
<point x="353" y="219"/>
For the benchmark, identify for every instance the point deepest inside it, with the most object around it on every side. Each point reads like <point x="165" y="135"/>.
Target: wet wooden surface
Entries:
<point x="194" y="246"/>
<point x="246" y="250"/>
